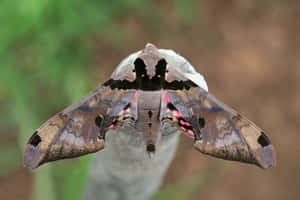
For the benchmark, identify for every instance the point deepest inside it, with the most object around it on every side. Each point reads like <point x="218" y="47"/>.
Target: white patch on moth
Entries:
<point x="227" y="135"/>
<point x="221" y="125"/>
<point x="231" y="139"/>
<point x="219" y="143"/>
<point x="71" y="138"/>
<point x="129" y="60"/>
<point x="79" y="141"/>
<point x="228" y="139"/>
<point x="68" y="138"/>
<point x="63" y="135"/>
<point x="78" y="121"/>
<point x="182" y="65"/>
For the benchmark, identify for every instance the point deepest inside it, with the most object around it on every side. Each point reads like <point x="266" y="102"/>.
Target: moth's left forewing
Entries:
<point x="218" y="130"/>
<point x="226" y="134"/>
<point x="257" y="140"/>
<point x="78" y="129"/>
<point x="70" y="133"/>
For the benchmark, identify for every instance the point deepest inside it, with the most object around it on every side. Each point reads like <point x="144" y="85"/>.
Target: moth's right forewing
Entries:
<point x="228" y="135"/>
<point x="74" y="131"/>
<point x="218" y="130"/>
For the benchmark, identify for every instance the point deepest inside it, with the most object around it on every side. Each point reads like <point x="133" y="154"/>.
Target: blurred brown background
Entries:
<point x="248" y="52"/>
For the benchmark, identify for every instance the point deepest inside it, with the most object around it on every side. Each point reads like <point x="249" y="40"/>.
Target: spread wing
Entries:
<point x="218" y="130"/>
<point x="80" y="129"/>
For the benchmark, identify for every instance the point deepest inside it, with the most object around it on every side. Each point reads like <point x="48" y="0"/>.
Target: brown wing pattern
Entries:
<point x="75" y="131"/>
<point x="218" y="130"/>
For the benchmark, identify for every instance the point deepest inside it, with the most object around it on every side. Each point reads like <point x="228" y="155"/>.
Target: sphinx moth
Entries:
<point x="149" y="93"/>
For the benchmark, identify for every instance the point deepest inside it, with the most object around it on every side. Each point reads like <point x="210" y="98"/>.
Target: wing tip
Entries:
<point x="268" y="157"/>
<point x="30" y="157"/>
<point x="33" y="157"/>
<point x="265" y="159"/>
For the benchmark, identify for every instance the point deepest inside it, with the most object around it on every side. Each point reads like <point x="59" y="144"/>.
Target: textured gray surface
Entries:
<point x="124" y="170"/>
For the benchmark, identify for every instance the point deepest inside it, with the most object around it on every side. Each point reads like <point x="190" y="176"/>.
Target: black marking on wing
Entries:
<point x="99" y="120"/>
<point x="263" y="140"/>
<point x="150" y="114"/>
<point x="197" y="126"/>
<point x="171" y="106"/>
<point x="179" y="85"/>
<point x="35" y="139"/>
<point x="102" y="129"/>
<point x="127" y="106"/>
<point x="142" y="78"/>
<point x="183" y="123"/>
<point x="143" y="82"/>
<point x="201" y="122"/>
<point x="120" y="84"/>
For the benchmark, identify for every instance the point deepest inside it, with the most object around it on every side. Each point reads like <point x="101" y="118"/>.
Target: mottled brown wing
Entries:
<point x="218" y="130"/>
<point x="76" y="130"/>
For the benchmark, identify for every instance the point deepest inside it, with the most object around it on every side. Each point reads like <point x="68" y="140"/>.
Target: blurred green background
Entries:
<point x="54" y="52"/>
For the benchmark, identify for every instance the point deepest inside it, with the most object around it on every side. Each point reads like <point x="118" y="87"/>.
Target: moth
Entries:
<point x="148" y="94"/>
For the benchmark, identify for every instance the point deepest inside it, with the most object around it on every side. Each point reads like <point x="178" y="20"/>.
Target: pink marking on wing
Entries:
<point x="174" y="112"/>
<point x="190" y="132"/>
<point x="134" y="97"/>
<point x="182" y="128"/>
<point x="164" y="95"/>
<point x="111" y="126"/>
<point x="121" y="112"/>
<point x="184" y="123"/>
<point x="177" y="113"/>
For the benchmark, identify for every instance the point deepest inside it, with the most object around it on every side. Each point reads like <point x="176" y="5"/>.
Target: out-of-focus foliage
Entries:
<point x="44" y="65"/>
<point x="186" y="9"/>
<point x="54" y="52"/>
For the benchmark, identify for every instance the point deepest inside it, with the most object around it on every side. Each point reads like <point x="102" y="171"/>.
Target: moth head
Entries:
<point x="147" y="61"/>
